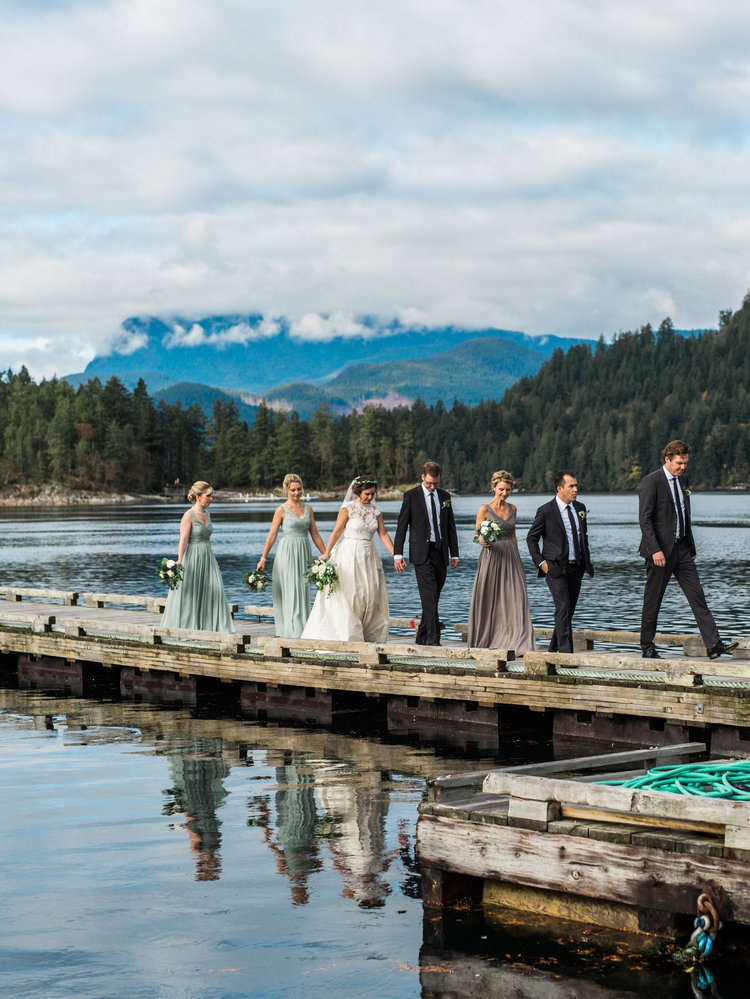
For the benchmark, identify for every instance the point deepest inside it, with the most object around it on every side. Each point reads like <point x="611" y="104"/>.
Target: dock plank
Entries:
<point x="647" y="877"/>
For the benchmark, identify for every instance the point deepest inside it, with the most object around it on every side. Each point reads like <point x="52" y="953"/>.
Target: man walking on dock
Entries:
<point x="427" y="513"/>
<point x="669" y="550"/>
<point x="564" y="556"/>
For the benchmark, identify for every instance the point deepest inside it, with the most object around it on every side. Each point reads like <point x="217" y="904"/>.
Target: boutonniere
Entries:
<point x="687" y="492"/>
<point x="582" y="514"/>
<point x="445" y="504"/>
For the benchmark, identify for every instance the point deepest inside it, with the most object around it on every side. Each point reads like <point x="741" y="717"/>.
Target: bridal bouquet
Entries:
<point x="255" y="580"/>
<point x="169" y="572"/>
<point x="321" y="573"/>
<point x="487" y="532"/>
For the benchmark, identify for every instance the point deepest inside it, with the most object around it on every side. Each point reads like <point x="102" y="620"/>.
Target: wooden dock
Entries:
<point x="597" y="696"/>
<point x="549" y="838"/>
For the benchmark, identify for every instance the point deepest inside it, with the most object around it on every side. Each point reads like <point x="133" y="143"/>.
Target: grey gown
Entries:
<point x="499" y="616"/>
<point x="199" y="602"/>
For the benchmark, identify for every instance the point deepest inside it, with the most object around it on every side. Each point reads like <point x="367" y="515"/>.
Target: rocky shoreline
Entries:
<point x="54" y="495"/>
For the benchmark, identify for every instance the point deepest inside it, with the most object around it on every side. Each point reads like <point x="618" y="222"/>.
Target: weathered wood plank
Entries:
<point x="644" y="877"/>
<point x="659" y="804"/>
<point x="575" y="764"/>
<point x="15" y="594"/>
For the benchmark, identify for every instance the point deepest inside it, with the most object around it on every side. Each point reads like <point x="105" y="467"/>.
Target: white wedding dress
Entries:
<point x="357" y="609"/>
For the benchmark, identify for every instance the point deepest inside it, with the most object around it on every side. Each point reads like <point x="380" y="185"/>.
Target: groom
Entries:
<point x="428" y="515"/>
<point x="564" y="556"/>
<point x="668" y="547"/>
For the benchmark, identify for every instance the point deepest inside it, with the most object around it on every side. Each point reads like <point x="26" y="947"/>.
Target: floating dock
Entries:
<point x="615" y="698"/>
<point x="551" y="838"/>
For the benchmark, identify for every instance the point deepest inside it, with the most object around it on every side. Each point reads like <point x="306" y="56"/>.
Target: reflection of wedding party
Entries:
<point x="351" y="602"/>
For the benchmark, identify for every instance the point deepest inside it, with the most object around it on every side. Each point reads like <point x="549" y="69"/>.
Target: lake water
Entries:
<point x="158" y="852"/>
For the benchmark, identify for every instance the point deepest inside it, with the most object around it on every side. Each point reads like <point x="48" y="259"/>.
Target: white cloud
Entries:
<point x="320" y="328"/>
<point x="556" y="167"/>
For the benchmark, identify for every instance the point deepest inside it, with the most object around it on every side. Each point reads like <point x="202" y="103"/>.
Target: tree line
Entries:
<point x="602" y="410"/>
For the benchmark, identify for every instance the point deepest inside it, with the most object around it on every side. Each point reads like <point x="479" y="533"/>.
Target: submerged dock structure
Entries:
<point x="553" y="838"/>
<point x="610" y="697"/>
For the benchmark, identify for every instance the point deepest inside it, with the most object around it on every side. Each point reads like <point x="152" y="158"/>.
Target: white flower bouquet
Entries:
<point x="255" y="580"/>
<point x="169" y="572"/>
<point x="487" y="533"/>
<point x="321" y="573"/>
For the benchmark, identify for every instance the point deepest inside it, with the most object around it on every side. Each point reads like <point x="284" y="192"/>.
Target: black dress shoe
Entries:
<point x="720" y="648"/>
<point x="649" y="652"/>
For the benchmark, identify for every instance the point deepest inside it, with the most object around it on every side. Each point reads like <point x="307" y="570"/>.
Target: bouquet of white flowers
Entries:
<point x="488" y="532"/>
<point x="321" y="573"/>
<point x="255" y="580"/>
<point x="169" y="572"/>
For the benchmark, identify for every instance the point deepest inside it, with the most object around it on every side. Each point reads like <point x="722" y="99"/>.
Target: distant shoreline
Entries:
<point x="39" y="496"/>
<point x="49" y="495"/>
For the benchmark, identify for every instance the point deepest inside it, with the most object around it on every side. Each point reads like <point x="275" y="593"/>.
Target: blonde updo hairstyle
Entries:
<point x="502" y="476"/>
<point x="199" y="488"/>
<point x="289" y="479"/>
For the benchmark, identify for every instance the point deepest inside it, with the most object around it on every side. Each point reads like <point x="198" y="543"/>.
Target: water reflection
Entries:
<point x="198" y="772"/>
<point x="295" y="843"/>
<point x="300" y="876"/>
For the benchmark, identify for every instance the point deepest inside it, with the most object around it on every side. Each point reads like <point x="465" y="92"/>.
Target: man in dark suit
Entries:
<point x="669" y="549"/>
<point x="564" y="557"/>
<point x="427" y="514"/>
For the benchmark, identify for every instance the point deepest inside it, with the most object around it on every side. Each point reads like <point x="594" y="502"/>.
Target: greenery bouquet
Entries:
<point x="255" y="580"/>
<point x="487" y="533"/>
<point x="321" y="573"/>
<point x="169" y="572"/>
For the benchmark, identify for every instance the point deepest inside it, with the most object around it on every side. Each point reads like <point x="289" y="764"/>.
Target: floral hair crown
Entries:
<point x="366" y="482"/>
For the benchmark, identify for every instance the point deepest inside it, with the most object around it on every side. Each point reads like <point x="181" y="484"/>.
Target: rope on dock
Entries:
<point x="701" y="780"/>
<point x="599" y="673"/>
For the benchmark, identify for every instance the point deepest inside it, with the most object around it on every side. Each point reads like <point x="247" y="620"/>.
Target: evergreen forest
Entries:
<point x="602" y="410"/>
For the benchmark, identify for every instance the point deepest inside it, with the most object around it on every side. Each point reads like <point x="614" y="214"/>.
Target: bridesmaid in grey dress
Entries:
<point x="199" y="602"/>
<point x="499" y="616"/>
<point x="291" y="594"/>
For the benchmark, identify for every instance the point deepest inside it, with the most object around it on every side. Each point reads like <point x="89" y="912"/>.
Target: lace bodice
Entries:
<point x="362" y="522"/>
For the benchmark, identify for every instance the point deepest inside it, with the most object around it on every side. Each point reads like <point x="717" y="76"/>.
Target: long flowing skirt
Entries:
<point x="499" y="616"/>
<point x="291" y="594"/>
<point x="199" y="602"/>
<point x="357" y="609"/>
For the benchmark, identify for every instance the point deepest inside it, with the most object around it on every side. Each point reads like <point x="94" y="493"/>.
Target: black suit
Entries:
<point x="657" y="513"/>
<point x="430" y="559"/>
<point x="563" y="574"/>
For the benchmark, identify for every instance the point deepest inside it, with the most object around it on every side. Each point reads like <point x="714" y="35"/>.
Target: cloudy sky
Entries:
<point x="556" y="166"/>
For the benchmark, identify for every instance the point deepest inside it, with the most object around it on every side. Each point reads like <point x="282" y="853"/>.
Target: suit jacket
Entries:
<point x="413" y="516"/>
<point x="548" y="524"/>
<point x="657" y="514"/>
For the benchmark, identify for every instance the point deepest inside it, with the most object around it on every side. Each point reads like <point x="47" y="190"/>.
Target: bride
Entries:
<point x="357" y="609"/>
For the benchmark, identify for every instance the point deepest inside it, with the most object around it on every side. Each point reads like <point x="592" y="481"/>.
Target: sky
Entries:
<point x="570" y="167"/>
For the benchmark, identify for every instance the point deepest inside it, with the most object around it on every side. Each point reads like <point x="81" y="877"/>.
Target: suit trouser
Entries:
<point x="565" y="590"/>
<point x="430" y="579"/>
<point x="681" y="565"/>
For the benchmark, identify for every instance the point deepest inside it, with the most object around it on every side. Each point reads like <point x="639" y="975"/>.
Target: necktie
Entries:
<point x="576" y="540"/>
<point x="680" y="518"/>
<point x="435" y="518"/>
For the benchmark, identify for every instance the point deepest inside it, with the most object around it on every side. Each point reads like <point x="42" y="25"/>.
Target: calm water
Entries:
<point x="154" y="852"/>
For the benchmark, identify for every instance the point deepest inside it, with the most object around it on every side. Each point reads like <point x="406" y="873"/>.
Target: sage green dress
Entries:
<point x="199" y="602"/>
<point x="289" y="591"/>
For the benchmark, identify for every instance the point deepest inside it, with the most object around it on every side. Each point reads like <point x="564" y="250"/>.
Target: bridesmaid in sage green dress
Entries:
<point x="291" y="594"/>
<point x="199" y="602"/>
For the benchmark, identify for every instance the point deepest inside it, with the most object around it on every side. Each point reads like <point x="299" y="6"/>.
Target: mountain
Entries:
<point x="254" y="354"/>
<point x="478" y="369"/>
<point x="299" y="366"/>
<point x="188" y="393"/>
